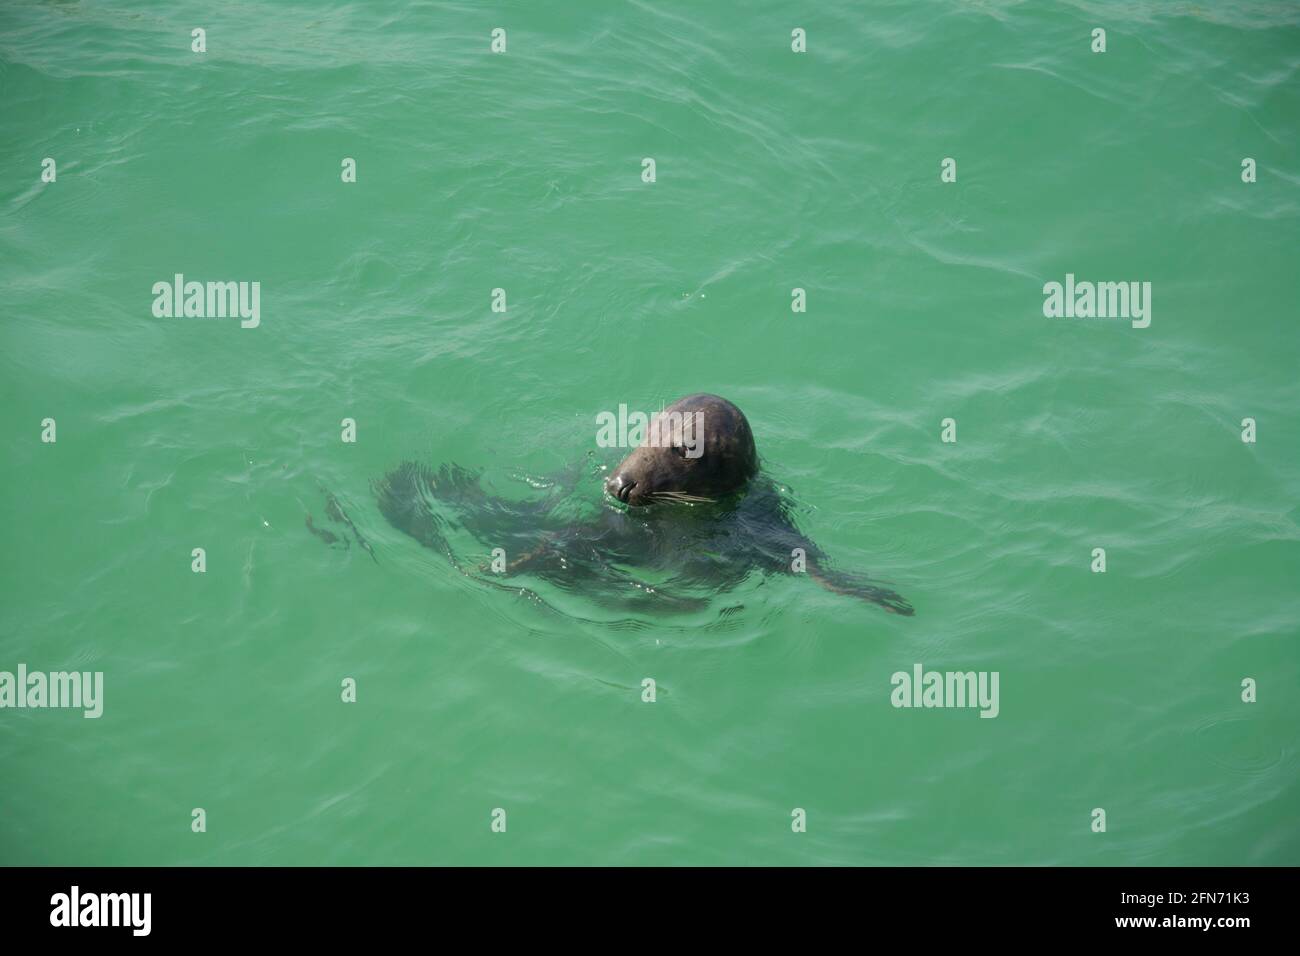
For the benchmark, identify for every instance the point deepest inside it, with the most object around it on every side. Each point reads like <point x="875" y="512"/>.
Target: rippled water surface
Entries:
<point x="774" y="171"/>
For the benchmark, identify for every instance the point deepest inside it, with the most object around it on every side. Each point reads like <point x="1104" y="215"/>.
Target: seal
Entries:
<point x="689" y="509"/>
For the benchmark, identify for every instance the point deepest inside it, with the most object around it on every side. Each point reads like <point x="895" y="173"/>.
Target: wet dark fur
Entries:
<point x="720" y="460"/>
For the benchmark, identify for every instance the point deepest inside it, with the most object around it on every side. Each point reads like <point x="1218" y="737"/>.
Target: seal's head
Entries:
<point x="698" y="448"/>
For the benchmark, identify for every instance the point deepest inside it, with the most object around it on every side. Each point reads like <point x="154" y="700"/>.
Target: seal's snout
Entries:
<point x="620" y="486"/>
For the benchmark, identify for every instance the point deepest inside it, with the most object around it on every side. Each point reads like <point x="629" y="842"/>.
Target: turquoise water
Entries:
<point x="774" y="170"/>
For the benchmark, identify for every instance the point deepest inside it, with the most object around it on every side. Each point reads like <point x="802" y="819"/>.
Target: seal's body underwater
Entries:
<point x="699" y="513"/>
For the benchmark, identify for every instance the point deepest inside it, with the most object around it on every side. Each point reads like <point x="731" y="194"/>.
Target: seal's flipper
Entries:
<point x="858" y="587"/>
<point x="336" y="513"/>
<point x="329" y="537"/>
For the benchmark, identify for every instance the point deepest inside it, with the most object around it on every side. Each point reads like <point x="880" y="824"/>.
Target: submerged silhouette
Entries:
<point x="698" y="514"/>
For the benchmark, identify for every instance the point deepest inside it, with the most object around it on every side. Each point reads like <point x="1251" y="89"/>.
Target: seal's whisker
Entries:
<point x="679" y="496"/>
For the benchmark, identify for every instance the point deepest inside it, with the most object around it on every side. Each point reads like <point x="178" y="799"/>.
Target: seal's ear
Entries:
<point x="858" y="587"/>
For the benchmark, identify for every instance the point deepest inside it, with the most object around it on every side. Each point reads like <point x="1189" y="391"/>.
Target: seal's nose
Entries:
<point x="620" y="486"/>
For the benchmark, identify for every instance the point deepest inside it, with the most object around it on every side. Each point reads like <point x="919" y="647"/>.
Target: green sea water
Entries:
<point x="774" y="171"/>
